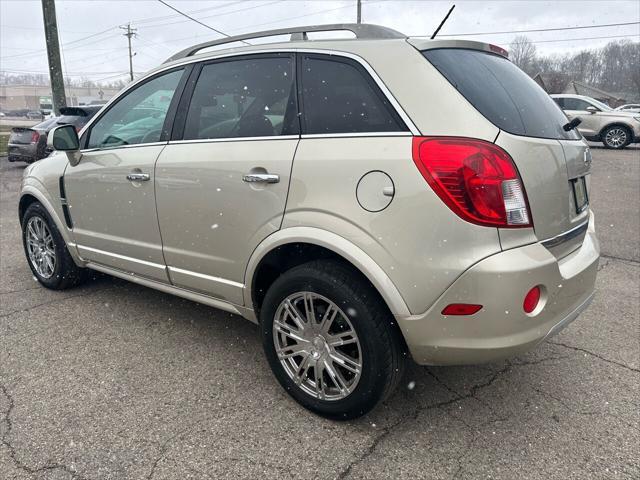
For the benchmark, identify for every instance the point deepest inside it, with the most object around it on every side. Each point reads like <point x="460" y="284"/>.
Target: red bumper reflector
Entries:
<point x="531" y="299"/>
<point x="461" y="309"/>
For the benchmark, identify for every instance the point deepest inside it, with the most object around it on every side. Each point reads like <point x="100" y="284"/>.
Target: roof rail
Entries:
<point x="361" y="31"/>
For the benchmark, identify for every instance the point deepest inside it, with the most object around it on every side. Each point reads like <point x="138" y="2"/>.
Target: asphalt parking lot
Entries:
<point x="115" y="381"/>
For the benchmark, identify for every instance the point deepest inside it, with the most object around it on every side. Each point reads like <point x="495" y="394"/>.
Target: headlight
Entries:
<point x="637" y="119"/>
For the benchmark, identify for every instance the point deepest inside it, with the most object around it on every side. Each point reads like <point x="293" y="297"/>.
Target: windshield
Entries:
<point x="602" y="106"/>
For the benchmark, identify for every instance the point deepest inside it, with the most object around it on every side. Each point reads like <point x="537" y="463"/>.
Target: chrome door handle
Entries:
<point x="261" y="177"/>
<point x="138" y="177"/>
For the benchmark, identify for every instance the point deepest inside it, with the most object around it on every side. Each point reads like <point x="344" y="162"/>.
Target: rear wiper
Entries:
<point x="567" y="127"/>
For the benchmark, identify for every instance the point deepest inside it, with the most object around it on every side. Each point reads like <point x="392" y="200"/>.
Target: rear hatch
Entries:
<point x="21" y="136"/>
<point x="76" y="116"/>
<point x="553" y="163"/>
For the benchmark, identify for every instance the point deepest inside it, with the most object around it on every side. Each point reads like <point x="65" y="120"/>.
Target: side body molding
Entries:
<point x="336" y="244"/>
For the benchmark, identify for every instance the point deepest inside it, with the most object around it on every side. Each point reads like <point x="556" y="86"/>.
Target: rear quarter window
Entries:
<point x="501" y="92"/>
<point x="338" y="96"/>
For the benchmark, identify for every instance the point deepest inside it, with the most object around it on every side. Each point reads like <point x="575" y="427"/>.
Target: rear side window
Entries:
<point x="339" y="96"/>
<point x="253" y="97"/>
<point x="570" y="103"/>
<point x="501" y="92"/>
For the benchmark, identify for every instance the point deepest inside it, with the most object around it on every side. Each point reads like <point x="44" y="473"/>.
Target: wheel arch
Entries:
<point x="627" y="127"/>
<point x="319" y="244"/>
<point x="31" y="194"/>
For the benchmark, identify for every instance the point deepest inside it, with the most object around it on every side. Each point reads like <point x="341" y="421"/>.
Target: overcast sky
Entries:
<point x="161" y="31"/>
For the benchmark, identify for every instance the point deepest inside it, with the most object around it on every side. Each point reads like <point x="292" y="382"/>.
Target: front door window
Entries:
<point x="138" y="117"/>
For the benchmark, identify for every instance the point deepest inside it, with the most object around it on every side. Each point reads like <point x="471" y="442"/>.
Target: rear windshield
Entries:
<point x="502" y="92"/>
<point x="75" y="120"/>
<point x="43" y="125"/>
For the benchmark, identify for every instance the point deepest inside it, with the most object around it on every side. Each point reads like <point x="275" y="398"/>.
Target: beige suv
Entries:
<point x="599" y="122"/>
<point x="359" y="199"/>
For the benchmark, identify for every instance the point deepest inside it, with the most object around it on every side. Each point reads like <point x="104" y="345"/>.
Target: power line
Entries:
<point x="298" y="16"/>
<point x="195" y="20"/>
<point x="540" y="29"/>
<point x="583" y="38"/>
<point x="66" y="44"/>
<point x="168" y="17"/>
<point x="217" y="15"/>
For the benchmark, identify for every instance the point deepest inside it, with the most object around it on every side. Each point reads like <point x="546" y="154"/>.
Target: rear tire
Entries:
<point x="616" y="137"/>
<point x="348" y="357"/>
<point x="46" y="251"/>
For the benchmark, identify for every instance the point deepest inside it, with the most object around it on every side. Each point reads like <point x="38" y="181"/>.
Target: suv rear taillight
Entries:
<point x="35" y="136"/>
<point x="476" y="179"/>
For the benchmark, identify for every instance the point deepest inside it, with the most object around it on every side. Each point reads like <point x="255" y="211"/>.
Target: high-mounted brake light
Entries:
<point x="476" y="179"/>
<point x="35" y="136"/>
<point x="499" y="50"/>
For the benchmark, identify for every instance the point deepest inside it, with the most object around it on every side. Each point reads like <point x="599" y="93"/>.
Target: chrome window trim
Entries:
<point x="235" y="139"/>
<point x="202" y="58"/>
<point x="121" y="257"/>
<point x="357" y="134"/>
<point x="206" y="277"/>
<point x="108" y="149"/>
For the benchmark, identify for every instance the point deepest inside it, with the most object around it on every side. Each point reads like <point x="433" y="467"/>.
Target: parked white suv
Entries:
<point x="600" y="122"/>
<point x="358" y="199"/>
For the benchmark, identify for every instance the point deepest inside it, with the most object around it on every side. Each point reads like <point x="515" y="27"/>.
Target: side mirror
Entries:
<point x="592" y="109"/>
<point x="65" y="139"/>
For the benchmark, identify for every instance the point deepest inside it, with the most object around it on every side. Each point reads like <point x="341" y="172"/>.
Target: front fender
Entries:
<point x="339" y="246"/>
<point x="34" y="188"/>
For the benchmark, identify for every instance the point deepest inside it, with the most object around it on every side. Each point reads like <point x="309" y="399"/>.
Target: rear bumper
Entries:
<point x="501" y="328"/>
<point x="22" y="153"/>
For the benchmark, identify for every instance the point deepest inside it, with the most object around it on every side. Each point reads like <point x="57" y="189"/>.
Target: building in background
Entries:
<point x="38" y="97"/>
<point x="555" y="83"/>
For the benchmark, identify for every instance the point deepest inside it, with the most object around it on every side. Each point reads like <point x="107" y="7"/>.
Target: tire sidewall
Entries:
<point x="371" y="386"/>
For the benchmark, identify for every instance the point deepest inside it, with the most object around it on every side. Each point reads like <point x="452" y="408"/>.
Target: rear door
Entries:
<point x="222" y="182"/>
<point x="550" y="160"/>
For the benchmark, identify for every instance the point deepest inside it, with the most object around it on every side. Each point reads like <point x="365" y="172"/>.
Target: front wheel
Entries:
<point x="330" y="340"/>
<point x="616" y="137"/>
<point x="46" y="250"/>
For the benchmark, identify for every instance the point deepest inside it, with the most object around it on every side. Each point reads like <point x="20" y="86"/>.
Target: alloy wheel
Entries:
<point x="616" y="137"/>
<point x="317" y="346"/>
<point x="41" y="247"/>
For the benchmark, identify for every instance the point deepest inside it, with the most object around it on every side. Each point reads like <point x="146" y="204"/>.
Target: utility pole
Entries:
<point x="130" y="32"/>
<point x="53" y="54"/>
<point x="359" y="19"/>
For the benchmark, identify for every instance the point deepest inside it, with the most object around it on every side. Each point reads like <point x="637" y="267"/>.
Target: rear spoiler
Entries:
<point x="75" y="111"/>
<point x="427" y="44"/>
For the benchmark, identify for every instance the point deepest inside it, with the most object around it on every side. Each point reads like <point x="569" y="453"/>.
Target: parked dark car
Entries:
<point x="35" y="115"/>
<point x="30" y="144"/>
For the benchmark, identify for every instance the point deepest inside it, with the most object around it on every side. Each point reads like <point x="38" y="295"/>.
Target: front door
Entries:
<point x="221" y="187"/>
<point x="111" y="191"/>
<point x="576" y="107"/>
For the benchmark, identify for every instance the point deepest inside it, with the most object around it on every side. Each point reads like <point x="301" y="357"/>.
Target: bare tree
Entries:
<point x="523" y="54"/>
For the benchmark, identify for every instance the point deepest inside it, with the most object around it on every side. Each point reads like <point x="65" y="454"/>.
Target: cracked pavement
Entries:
<point x="115" y="381"/>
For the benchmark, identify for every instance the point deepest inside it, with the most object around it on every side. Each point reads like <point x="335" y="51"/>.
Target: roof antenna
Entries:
<point x="442" y="22"/>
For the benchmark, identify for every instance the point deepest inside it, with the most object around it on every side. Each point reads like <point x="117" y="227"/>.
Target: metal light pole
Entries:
<point x="359" y="17"/>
